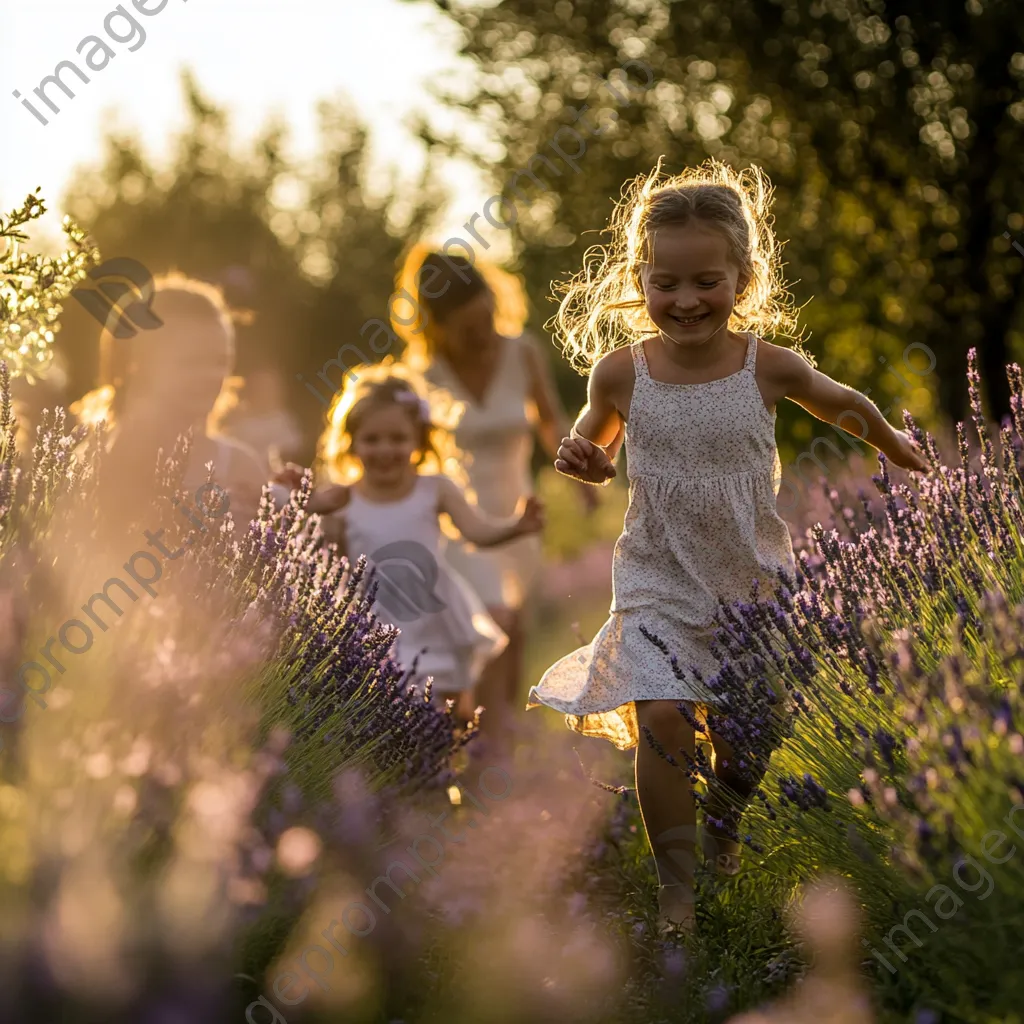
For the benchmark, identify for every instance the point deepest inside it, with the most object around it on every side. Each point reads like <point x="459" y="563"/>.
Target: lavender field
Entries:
<point x="251" y="820"/>
<point x="254" y="772"/>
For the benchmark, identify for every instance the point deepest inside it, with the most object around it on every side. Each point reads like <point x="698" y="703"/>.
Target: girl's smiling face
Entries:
<point x="385" y="444"/>
<point x="691" y="283"/>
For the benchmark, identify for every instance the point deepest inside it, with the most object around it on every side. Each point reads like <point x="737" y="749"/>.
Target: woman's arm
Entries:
<point x="552" y="419"/>
<point x="792" y="377"/>
<point x="481" y="529"/>
<point x="244" y="484"/>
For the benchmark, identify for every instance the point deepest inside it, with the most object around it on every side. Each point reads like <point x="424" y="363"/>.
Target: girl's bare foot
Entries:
<point x="677" y="910"/>
<point x="675" y="857"/>
<point x="723" y="853"/>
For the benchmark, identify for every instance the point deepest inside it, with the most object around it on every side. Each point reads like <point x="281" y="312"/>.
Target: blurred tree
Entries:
<point x="305" y="248"/>
<point x="889" y="130"/>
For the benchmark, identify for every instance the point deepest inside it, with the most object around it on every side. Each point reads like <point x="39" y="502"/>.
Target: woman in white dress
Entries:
<point x="466" y="339"/>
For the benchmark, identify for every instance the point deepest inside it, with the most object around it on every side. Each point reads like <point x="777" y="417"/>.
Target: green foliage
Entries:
<point x="309" y="247"/>
<point x="32" y="288"/>
<point x="891" y="133"/>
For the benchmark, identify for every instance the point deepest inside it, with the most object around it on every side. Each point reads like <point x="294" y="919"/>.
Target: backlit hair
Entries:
<point x="196" y="318"/>
<point x="411" y="312"/>
<point x="602" y="307"/>
<point x="380" y="385"/>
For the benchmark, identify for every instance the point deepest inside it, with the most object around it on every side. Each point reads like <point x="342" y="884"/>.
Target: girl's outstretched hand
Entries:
<point x="584" y="460"/>
<point x="290" y="476"/>
<point x="907" y="454"/>
<point x="532" y="518"/>
<point x="330" y="499"/>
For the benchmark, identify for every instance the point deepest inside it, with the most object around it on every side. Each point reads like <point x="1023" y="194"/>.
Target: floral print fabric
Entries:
<point x="701" y="525"/>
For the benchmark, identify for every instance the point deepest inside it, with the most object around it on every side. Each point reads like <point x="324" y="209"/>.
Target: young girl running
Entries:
<point x="666" y="317"/>
<point x="387" y="456"/>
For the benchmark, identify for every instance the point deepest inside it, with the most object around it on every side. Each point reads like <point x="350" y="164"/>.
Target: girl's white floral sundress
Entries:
<point x="701" y="525"/>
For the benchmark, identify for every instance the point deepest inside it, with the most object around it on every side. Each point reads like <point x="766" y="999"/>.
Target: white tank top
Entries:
<point x="371" y="526"/>
<point x="443" y="624"/>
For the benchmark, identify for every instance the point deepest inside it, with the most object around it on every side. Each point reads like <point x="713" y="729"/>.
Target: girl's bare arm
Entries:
<point x="594" y="441"/>
<point x="788" y="375"/>
<point x="602" y="419"/>
<point x="481" y="529"/>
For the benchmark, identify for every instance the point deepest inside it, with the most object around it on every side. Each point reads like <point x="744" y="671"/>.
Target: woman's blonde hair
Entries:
<point x="412" y="316"/>
<point x="603" y="308"/>
<point x="176" y="298"/>
<point x="379" y="385"/>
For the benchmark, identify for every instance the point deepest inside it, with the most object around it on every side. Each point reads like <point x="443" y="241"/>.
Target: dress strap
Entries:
<point x="639" y="359"/>
<point x="751" y="360"/>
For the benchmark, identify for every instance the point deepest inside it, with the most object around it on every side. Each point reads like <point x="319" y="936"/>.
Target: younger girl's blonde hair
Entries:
<point x="380" y="385"/>
<point x="603" y="308"/>
<point x="411" y="311"/>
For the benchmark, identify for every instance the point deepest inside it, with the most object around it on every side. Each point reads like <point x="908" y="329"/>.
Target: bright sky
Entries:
<point x="256" y="57"/>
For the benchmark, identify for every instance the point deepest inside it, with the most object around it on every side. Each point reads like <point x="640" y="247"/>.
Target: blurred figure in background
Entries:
<point x="465" y="336"/>
<point x="257" y="415"/>
<point x="160" y="384"/>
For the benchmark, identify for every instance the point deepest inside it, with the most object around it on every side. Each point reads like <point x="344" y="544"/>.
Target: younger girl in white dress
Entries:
<point x="666" y="323"/>
<point x="384" y="452"/>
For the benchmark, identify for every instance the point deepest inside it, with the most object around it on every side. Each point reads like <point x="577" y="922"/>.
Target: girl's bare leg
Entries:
<point x="514" y="652"/>
<point x="493" y="689"/>
<point x="720" y="804"/>
<point x="667" y="806"/>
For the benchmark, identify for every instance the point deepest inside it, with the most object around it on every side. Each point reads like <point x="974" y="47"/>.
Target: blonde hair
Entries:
<point x="415" y="326"/>
<point x="176" y="298"/>
<point x="379" y="385"/>
<point x="603" y="306"/>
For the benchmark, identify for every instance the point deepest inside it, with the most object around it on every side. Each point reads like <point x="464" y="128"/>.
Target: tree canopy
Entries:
<point x="892" y="132"/>
<point x="306" y="247"/>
